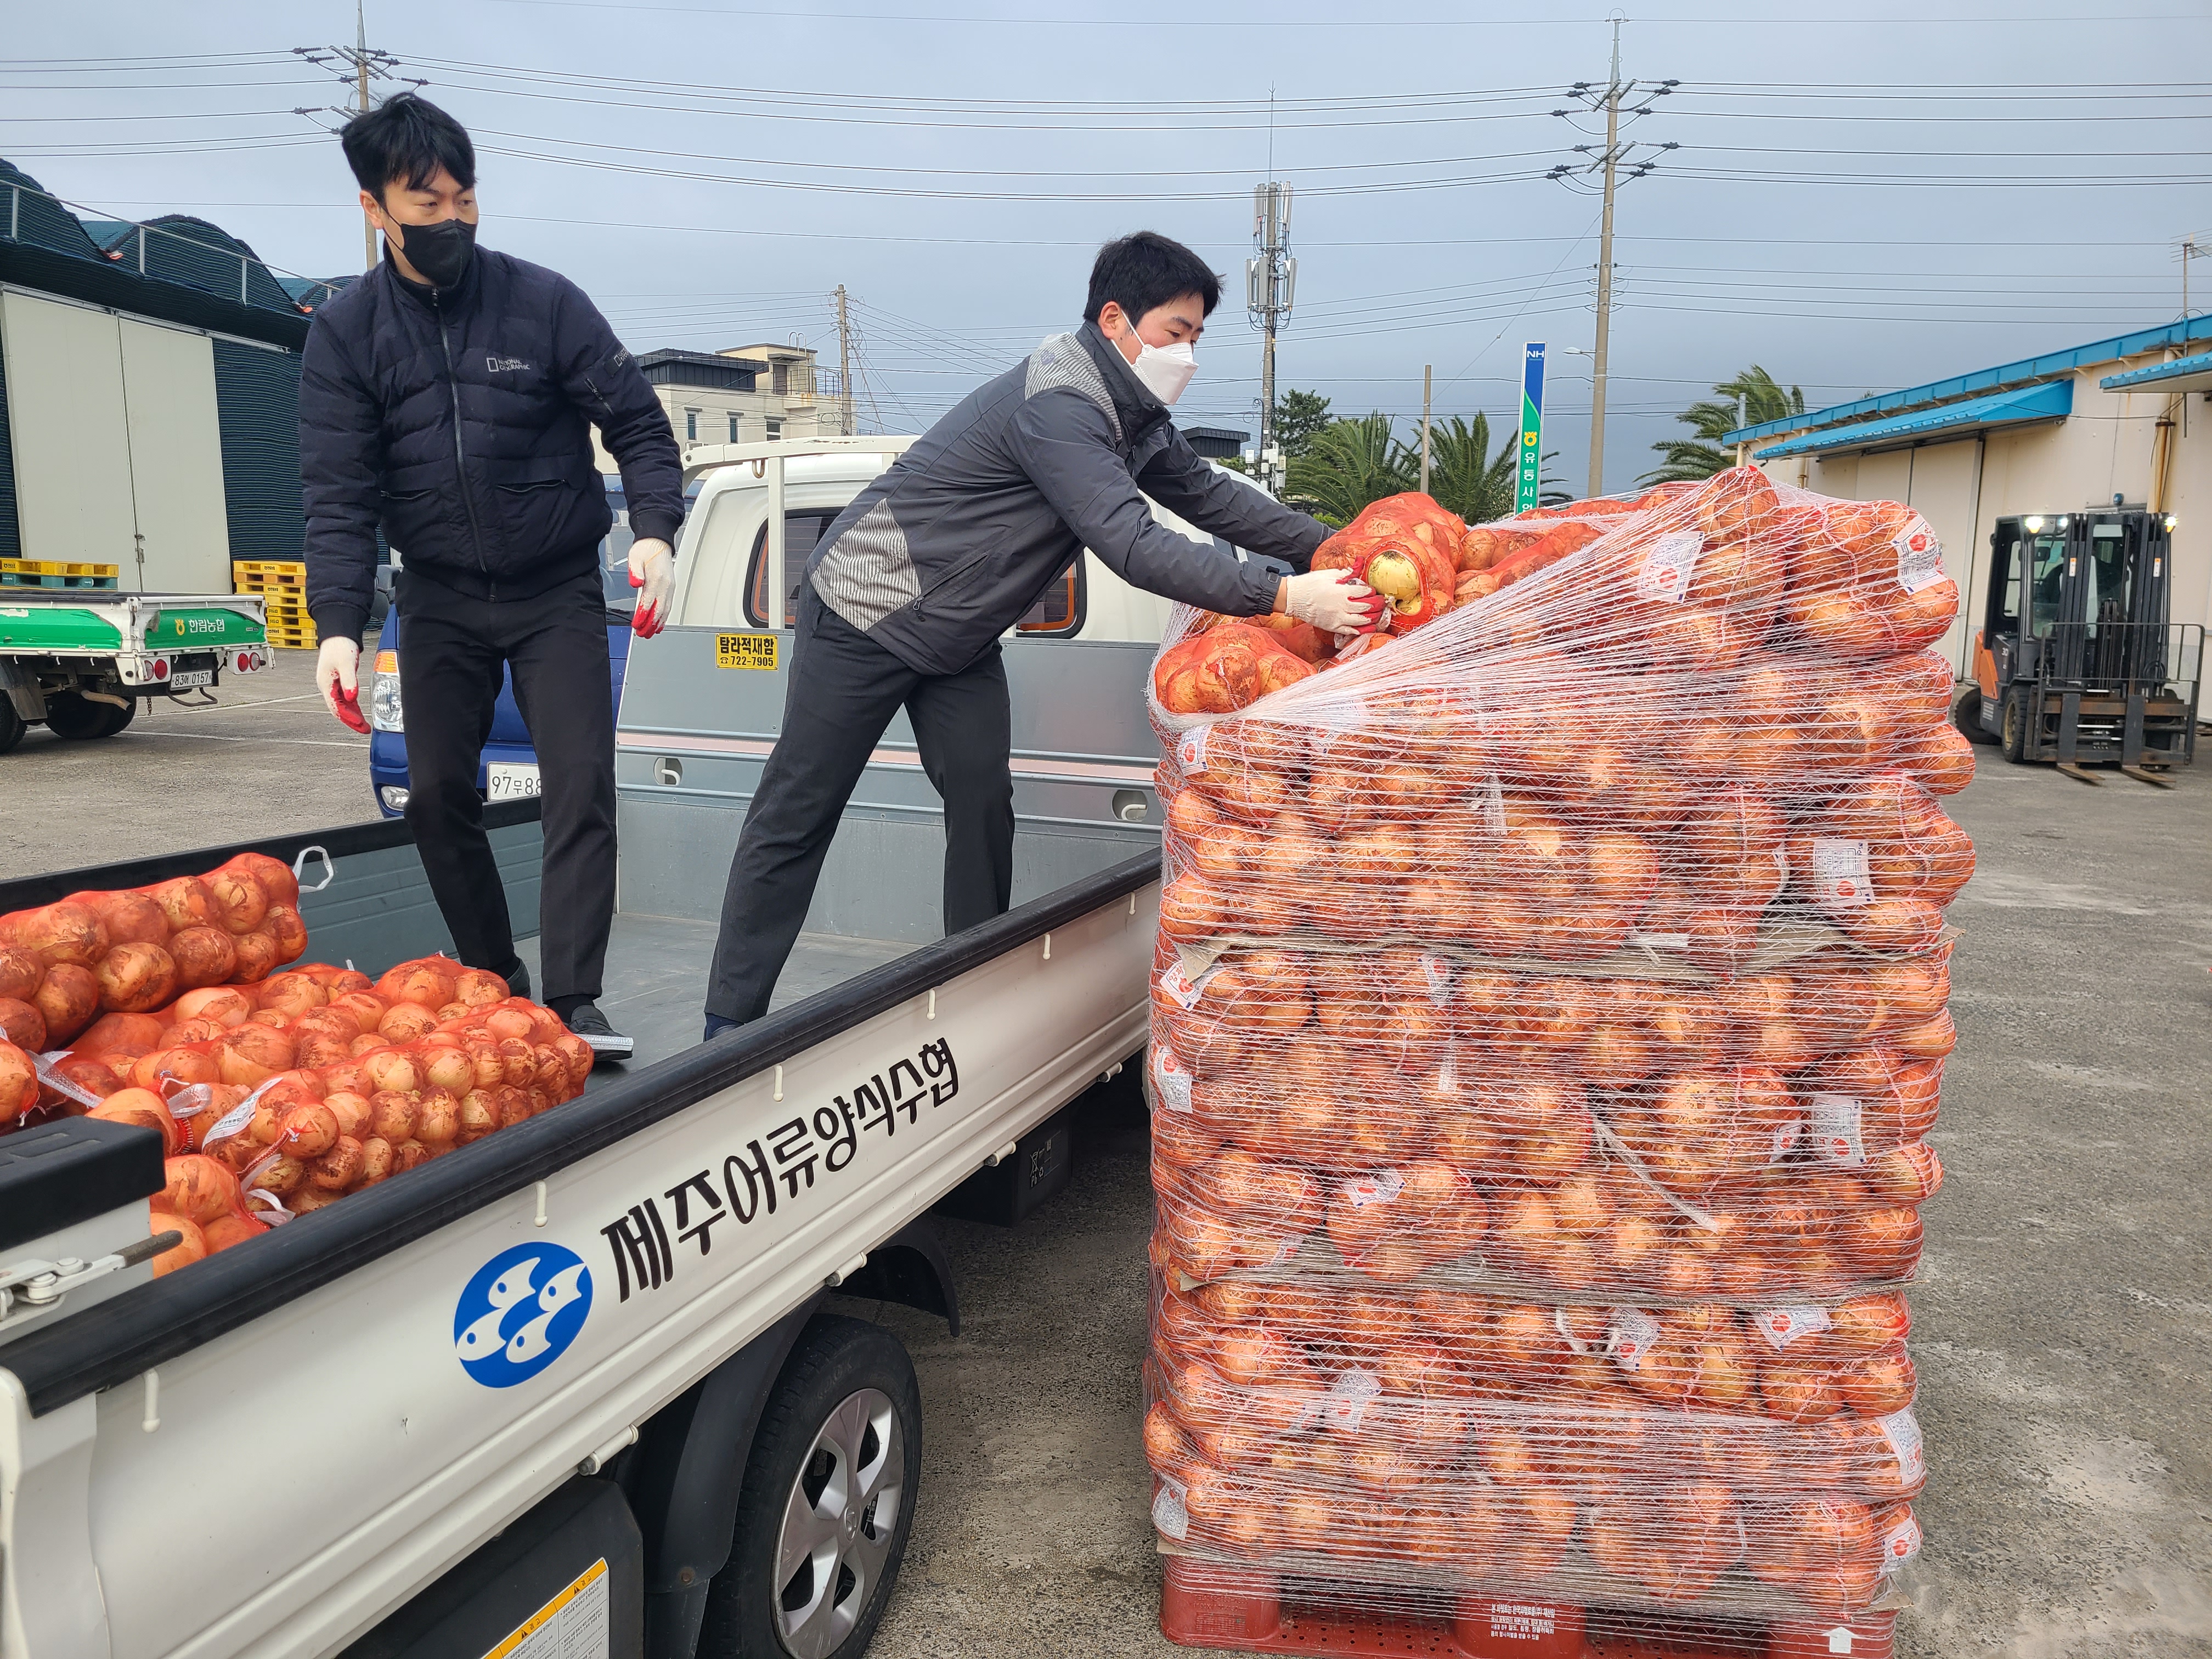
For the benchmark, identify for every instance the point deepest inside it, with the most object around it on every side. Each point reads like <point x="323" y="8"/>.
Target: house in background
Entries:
<point x="741" y="395"/>
<point x="2118" y="422"/>
<point x="1216" y="443"/>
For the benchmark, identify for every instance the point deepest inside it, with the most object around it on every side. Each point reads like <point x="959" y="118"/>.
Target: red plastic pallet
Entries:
<point x="1204" y="1607"/>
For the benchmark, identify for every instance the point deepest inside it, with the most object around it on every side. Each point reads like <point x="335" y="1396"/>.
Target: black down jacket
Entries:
<point x="457" y="420"/>
<point x="944" y="552"/>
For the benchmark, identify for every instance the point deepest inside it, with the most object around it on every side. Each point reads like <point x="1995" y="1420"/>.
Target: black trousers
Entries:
<point x="452" y="649"/>
<point x="843" y="692"/>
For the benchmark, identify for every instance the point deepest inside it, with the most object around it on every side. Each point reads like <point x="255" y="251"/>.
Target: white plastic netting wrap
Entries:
<point x="1549" y="1011"/>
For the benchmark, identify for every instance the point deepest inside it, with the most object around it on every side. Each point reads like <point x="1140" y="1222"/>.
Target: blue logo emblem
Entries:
<point x="520" y="1312"/>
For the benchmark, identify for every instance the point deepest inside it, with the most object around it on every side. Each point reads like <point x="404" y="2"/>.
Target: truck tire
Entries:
<point x="11" y="725"/>
<point x="69" y="715"/>
<point x="826" y="1502"/>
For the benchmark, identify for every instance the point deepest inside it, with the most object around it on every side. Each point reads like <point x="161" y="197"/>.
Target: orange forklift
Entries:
<point x="2075" y="660"/>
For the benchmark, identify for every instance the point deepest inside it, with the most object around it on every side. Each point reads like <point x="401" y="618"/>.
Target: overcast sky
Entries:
<point x="1857" y="203"/>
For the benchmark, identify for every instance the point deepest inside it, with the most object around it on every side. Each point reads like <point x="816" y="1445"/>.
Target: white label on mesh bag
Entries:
<point x="1347" y="1400"/>
<point x="1181" y="987"/>
<point x="1521" y="1621"/>
<point x="1377" y="1188"/>
<point x="1900" y="1544"/>
<point x="1902" y="1431"/>
<point x="230" y="1123"/>
<point x="1919" y="557"/>
<point x="1630" y="1337"/>
<point x="1437" y="970"/>
<point x="1493" y="807"/>
<point x="1190" y="750"/>
<point x="1782" y="1326"/>
<point x="1784" y="1141"/>
<point x="1840" y="878"/>
<point x="1170" y="1083"/>
<point x="1667" y="567"/>
<point x="1835" y="1131"/>
<point x="1284" y="1249"/>
<point x="1169" y="1514"/>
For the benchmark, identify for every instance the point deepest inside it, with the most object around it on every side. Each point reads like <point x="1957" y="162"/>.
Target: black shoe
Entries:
<point x="588" y="1022"/>
<point x="518" y="982"/>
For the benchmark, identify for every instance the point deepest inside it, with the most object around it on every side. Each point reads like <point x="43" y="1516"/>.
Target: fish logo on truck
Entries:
<point x="520" y="1313"/>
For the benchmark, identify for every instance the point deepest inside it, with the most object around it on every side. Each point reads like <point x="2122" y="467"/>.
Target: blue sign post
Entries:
<point x="1532" y="426"/>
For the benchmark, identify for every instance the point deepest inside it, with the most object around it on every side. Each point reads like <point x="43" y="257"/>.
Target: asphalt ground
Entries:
<point x="2062" y="1321"/>
<point x="264" y="759"/>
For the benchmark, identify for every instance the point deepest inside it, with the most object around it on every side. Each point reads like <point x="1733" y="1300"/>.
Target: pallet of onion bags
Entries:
<point x="1549" y="1012"/>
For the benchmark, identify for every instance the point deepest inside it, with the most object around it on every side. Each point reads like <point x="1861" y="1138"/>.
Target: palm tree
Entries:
<point x="1687" y="461"/>
<point x="1348" y="463"/>
<point x="1464" y="474"/>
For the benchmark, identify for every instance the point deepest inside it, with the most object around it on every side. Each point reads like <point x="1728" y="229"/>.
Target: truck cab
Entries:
<point x="2076" y="659"/>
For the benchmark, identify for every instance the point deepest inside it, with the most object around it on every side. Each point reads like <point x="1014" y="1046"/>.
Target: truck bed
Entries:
<point x="656" y="978"/>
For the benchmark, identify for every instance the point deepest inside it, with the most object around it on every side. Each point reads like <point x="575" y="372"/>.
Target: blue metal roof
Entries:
<point x="2051" y="400"/>
<point x="2025" y="371"/>
<point x="2190" y="371"/>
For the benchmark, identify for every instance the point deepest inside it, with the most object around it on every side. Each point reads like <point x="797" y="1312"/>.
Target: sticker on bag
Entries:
<point x="1628" y="1339"/>
<point x="1919" y="556"/>
<point x="1347" y="1400"/>
<point x="1178" y="983"/>
<point x="1377" y="1188"/>
<point x="1900" y="1544"/>
<point x="1902" y="1429"/>
<point x="1667" y="564"/>
<point x="1171" y="1084"/>
<point x="1782" y="1326"/>
<point x="1438" y="971"/>
<point x="1784" y="1140"/>
<point x="1841" y="878"/>
<point x="1836" y="1130"/>
<point x="1170" y="1516"/>
<point x="1190" y="752"/>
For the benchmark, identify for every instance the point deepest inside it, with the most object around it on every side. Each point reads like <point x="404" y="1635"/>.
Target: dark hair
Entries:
<point x="407" y="137"/>
<point x="1147" y="269"/>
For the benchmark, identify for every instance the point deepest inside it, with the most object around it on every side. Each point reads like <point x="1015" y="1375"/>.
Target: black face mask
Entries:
<point x="440" y="252"/>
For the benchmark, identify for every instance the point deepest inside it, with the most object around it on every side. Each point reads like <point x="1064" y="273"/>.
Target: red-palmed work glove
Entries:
<point x="652" y="572"/>
<point x="337" y="676"/>
<point x="1334" y="601"/>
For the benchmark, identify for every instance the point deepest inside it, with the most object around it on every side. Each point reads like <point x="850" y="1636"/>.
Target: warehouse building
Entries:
<point x="2118" y="422"/>
<point x="150" y="382"/>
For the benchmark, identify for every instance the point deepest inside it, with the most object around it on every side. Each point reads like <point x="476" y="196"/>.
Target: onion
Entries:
<point x="479" y="988"/>
<point x="125" y="1036"/>
<point x="68" y="997"/>
<point x="275" y="876"/>
<point x="19" y="973"/>
<point x="226" y="1004"/>
<point x="22" y="1024"/>
<point x="240" y="899"/>
<point x="89" y="1075"/>
<point x="292" y="994"/>
<point x="226" y="1230"/>
<point x="145" y="1109"/>
<point x="257" y="954"/>
<point x="365" y="1008"/>
<point x="251" y="1053"/>
<point x="130" y="918"/>
<point x="422" y="983"/>
<point x="437" y="1118"/>
<point x="451" y="1069"/>
<point x="194" y="1247"/>
<point x="376" y="1160"/>
<point x="355" y="1115"/>
<point x="204" y="956"/>
<point x="19" y="1084"/>
<point x="337" y="1169"/>
<point x="283" y="924"/>
<point x="199" y="1188"/>
<point x="185" y="901"/>
<point x="391" y="1068"/>
<point x="406" y="1023"/>
<point x="392" y="1112"/>
<point x="63" y="932"/>
<point x="136" y="978"/>
<point x="187" y="1064"/>
<point x="478" y="1116"/>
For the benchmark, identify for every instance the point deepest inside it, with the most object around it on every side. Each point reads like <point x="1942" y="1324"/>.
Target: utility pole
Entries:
<point x="1742" y="420"/>
<point x="844" y="363"/>
<point x="1271" y="279"/>
<point x="1428" y="384"/>
<point x="2190" y="251"/>
<point x="357" y="64"/>
<point x="1607" y="163"/>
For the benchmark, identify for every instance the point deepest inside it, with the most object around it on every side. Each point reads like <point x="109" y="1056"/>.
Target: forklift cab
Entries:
<point x="2075" y="658"/>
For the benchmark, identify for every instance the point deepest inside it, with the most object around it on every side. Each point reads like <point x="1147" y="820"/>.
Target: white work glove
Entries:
<point x="1334" y="601"/>
<point x="337" y="676"/>
<point x="653" y="571"/>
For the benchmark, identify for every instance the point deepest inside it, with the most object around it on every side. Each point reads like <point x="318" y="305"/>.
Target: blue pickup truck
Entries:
<point x="509" y="767"/>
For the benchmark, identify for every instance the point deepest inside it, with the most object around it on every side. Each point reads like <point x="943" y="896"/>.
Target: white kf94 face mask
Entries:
<point x="1164" y="370"/>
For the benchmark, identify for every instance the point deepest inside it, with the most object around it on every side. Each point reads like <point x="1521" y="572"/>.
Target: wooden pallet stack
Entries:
<point x="283" y="583"/>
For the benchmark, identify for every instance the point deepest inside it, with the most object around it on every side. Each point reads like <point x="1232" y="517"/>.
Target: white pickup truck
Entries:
<point x="573" y="1390"/>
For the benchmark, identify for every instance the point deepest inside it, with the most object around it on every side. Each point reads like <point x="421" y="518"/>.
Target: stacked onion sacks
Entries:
<point x="1549" y="1013"/>
<point x="275" y="1099"/>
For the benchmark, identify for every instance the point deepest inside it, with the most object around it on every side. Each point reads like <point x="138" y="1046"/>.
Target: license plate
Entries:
<point x="186" y="678"/>
<point x="507" y="780"/>
<point x="744" y="651"/>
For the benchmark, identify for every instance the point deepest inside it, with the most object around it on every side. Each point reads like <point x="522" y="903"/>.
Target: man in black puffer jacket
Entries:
<point x="448" y="396"/>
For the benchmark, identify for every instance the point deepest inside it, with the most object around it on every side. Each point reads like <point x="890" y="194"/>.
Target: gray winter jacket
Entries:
<point x="946" y="550"/>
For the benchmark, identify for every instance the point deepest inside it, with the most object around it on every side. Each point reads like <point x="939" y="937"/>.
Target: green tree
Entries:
<point x="1687" y="459"/>
<point x="1464" y="474"/>
<point x="1347" y="465"/>
<point x="1300" y="417"/>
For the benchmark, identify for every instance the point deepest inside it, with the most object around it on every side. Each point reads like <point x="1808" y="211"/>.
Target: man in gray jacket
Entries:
<point x="907" y="593"/>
